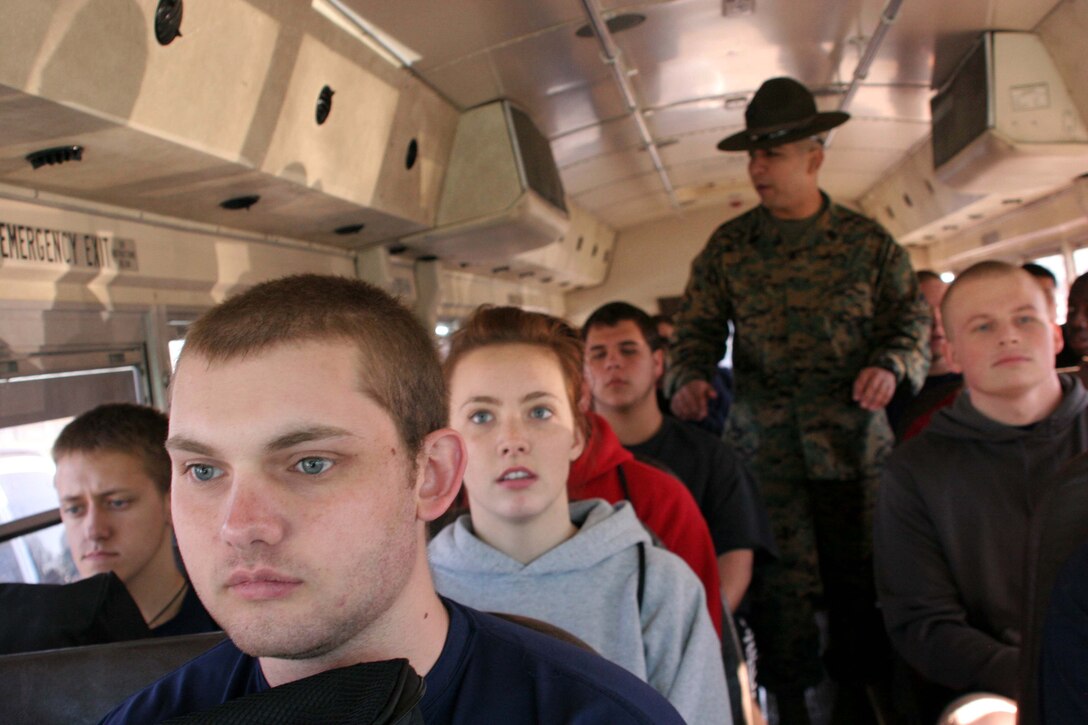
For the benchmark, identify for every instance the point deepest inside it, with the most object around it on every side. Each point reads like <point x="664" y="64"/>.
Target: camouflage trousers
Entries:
<point x="824" y="534"/>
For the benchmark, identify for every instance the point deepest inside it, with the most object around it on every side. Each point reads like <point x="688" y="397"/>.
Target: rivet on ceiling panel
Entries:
<point x="168" y="21"/>
<point x="324" y="105"/>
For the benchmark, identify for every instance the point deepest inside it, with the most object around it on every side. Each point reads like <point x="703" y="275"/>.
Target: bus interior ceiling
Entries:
<point x="206" y="164"/>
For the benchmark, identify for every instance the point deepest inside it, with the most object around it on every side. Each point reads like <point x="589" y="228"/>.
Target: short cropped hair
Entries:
<point x="1078" y="286"/>
<point x="1041" y="273"/>
<point x="613" y="313"/>
<point x="135" y="430"/>
<point x="490" y="326"/>
<point x="1038" y="270"/>
<point x="398" y="363"/>
<point x="989" y="269"/>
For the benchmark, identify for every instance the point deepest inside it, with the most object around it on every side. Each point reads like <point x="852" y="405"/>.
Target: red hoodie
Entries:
<point x="660" y="501"/>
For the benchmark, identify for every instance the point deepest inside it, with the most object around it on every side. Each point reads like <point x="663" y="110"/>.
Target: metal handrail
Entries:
<point x="29" y="524"/>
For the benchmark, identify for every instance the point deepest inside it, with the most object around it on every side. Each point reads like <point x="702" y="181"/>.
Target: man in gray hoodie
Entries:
<point x="954" y="507"/>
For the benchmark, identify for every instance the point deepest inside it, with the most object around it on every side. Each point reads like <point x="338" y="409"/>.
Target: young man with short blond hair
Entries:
<point x="113" y="483"/>
<point x="955" y="503"/>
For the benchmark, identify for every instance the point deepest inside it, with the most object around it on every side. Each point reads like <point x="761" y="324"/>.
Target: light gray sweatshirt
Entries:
<point x="588" y="586"/>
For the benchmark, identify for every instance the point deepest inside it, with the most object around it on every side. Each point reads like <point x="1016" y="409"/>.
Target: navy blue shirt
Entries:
<point x="192" y="618"/>
<point x="719" y="482"/>
<point x="1063" y="671"/>
<point x="490" y="670"/>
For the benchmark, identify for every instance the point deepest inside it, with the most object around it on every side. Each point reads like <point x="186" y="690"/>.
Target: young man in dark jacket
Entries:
<point x="955" y="503"/>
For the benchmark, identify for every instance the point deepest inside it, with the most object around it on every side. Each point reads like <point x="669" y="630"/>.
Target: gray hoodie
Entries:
<point x="587" y="585"/>
<point x="951" y="532"/>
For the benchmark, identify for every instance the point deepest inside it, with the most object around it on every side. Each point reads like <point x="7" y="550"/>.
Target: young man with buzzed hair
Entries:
<point x="310" y="447"/>
<point x="955" y="503"/>
<point x="113" y="482"/>
<point x="1046" y="279"/>
<point x="624" y="360"/>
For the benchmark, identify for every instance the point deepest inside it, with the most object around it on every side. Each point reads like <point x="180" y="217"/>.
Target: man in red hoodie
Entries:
<point x="608" y="470"/>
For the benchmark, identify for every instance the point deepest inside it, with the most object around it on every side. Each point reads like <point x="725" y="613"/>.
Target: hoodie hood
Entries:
<point x="963" y="421"/>
<point x="603" y="452"/>
<point x="603" y="530"/>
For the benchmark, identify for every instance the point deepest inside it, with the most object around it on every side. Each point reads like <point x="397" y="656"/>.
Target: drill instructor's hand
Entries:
<point x="874" y="388"/>
<point x="689" y="403"/>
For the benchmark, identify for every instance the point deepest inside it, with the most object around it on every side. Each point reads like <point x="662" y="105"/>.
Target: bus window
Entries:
<point x="1080" y="260"/>
<point x="26" y="488"/>
<point x="1056" y="264"/>
<point x="175" y="352"/>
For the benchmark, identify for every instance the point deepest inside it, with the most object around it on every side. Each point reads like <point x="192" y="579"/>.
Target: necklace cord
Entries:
<point x="178" y="593"/>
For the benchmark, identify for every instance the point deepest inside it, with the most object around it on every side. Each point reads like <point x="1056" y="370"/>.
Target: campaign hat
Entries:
<point x="781" y="111"/>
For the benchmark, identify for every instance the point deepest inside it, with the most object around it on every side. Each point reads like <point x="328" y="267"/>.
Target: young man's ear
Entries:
<point x="579" y="442"/>
<point x="441" y="468"/>
<point x="1059" y="339"/>
<point x="949" y="351"/>
<point x="659" y="364"/>
<point x="816" y="160"/>
<point x="585" y="396"/>
<point x="167" y="508"/>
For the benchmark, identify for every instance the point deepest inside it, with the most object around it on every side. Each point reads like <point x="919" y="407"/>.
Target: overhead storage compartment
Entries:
<point x="502" y="194"/>
<point x="178" y="129"/>
<point x="1005" y="120"/>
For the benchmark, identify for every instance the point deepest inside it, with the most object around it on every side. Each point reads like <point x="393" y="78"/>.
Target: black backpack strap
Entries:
<point x="641" y="545"/>
<point x="641" y="572"/>
<point x="623" y="482"/>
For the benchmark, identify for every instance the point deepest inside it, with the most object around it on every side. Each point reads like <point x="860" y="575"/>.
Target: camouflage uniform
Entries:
<point x="809" y="315"/>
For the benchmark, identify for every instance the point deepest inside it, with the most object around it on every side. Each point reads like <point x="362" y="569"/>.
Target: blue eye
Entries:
<point x="481" y="416"/>
<point x="118" y="503"/>
<point x="203" y="472"/>
<point x="540" y="413"/>
<point x="313" y="466"/>
<point x="73" y="510"/>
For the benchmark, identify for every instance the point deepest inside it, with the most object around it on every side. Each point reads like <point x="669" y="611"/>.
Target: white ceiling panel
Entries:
<point x="881" y="134"/>
<point x="684" y="62"/>
<point x="595" y="140"/>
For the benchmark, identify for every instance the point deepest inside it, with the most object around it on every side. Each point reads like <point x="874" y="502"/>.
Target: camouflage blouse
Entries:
<point x="809" y="314"/>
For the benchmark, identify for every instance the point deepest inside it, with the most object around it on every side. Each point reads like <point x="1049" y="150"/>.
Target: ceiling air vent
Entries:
<point x="240" y="202"/>
<point x="55" y="155"/>
<point x="1006" y="120"/>
<point x="502" y="194"/>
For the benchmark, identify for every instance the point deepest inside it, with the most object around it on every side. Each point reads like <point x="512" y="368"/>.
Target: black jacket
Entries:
<point x="951" y="532"/>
